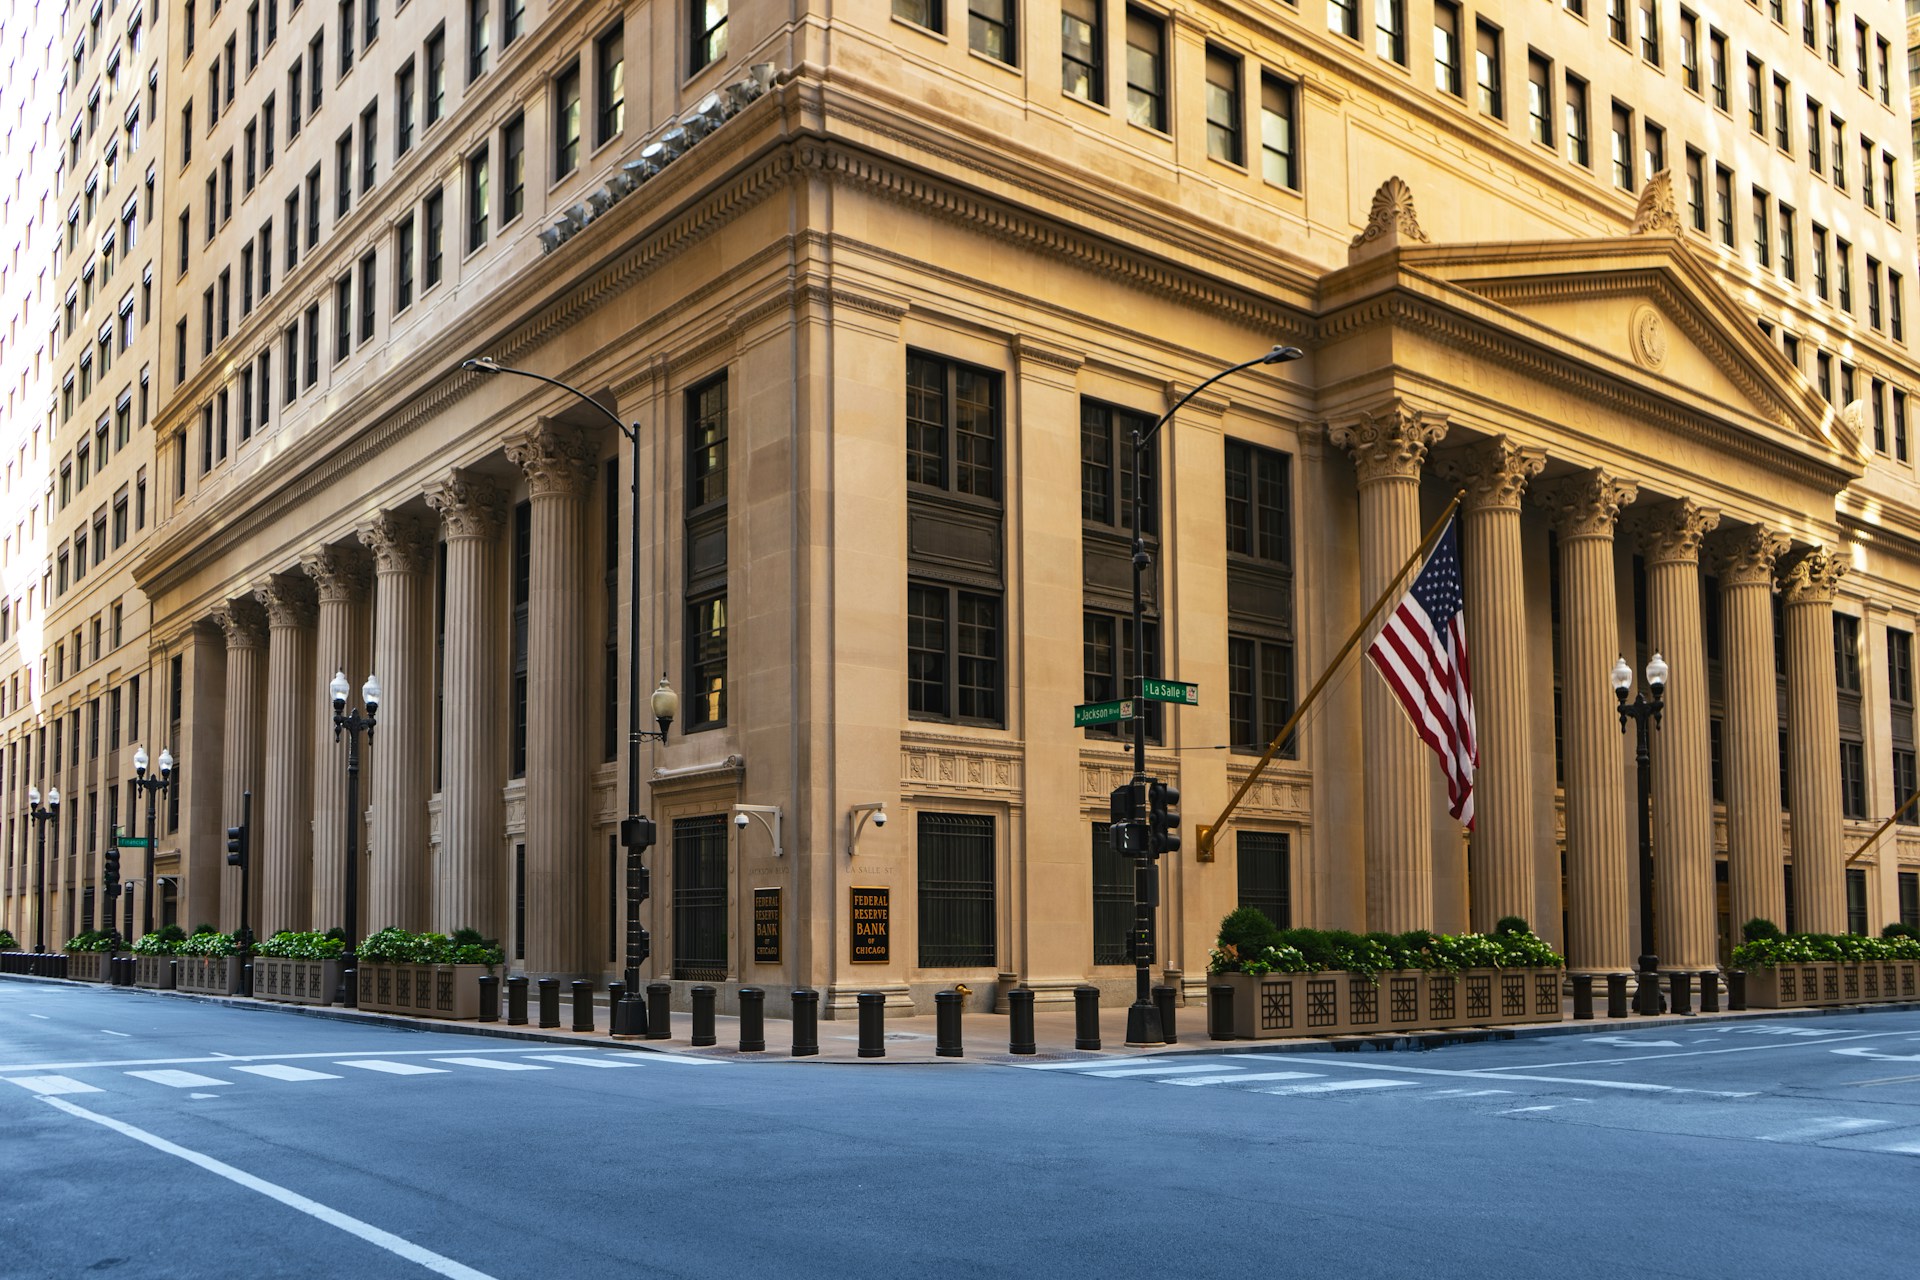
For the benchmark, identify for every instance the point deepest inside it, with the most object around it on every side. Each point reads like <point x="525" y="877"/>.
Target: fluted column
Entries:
<point x="470" y="888"/>
<point x="1813" y="743"/>
<point x="559" y="464"/>
<point x="1495" y="474"/>
<point x="1745" y="560"/>
<point x="282" y="816"/>
<point x="340" y="576"/>
<point x="1584" y="509"/>
<point x="1388" y="449"/>
<point x="245" y="625"/>
<point x="1670" y="536"/>
<point x="395" y="888"/>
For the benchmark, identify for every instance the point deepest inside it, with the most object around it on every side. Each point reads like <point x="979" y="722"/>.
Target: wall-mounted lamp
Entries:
<point x="769" y="815"/>
<point x="857" y="818"/>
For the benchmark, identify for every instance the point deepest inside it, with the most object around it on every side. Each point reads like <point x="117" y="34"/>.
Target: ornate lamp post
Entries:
<point x="43" y="816"/>
<point x="355" y="724"/>
<point x="152" y="787"/>
<point x="1644" y="711"/>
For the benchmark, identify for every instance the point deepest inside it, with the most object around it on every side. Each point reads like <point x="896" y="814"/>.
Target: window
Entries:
<point x="1815" y="147"/>
<point x="1278" y="157"/>
<point x="1225" y="141"/>
<point x="953" y="654"/>
<point x="369" y="158"/>
<point x="1853" y="790"/>
<point x="1789" y="249"/>
<point x="1106" y="469"/>
<point x="706" y="613"/>
<point x="403" y="91"/>
<point x="346" y="36"/>
<point x="1843" y="270"/>
<point x="294" y="100"/>
<point x="1579" y="150"/>
<point x="436" y="89"/>
<point x="477" y="199"/>
<point x="1756" y="100"/>
<point x="958" y="920"/>
<point x="700" y="899"/>
<point x="342" y="318"/>
<point x="434" y="208"/>
<point x="1782" y="122"/>
<point x="513" y="165"/>
<point x="709" y="28"/>
<point x="1446" y="47"/>
<point x="953" y="428"/>
<point x="343" y="175"/>
<point x="1762" y="228"/>
<point x="566" y="121"/>
<point x="1487" y="69"/>
<point x="313" y="208"/>
<point x="1653" y="150"/>
<point x="1887" y="204"/>
<point x="1723" y="203"/>
<point x="1146" y="70"/>
<point x="1390" y="30"/>
<point x="1696" y="190"/>
<point x="1866" y="172"/>
<point x="1861" y="70"/>
<point x="1648" y="13"/>
<point x="1899" y="425"/>
<point x="1819" y="261"/>
<point x="1717" y="66"/>
<point x="1690" y="49"/>
<point x="1540" y="98"/>
<point x="1837" y="168"/>
<point x="1113" y="909"/>
<point x="1622" y="138"/>
<point x="1896" y="309"/>
<point x="479" y="37"/>
<point x="921" y="13"/>
<point x="1873" y="292"/>
<point x="368" y="267"/>
<point x="990" y="29"/>
<point x="1617" y="21"/>
<point x="1343" y="18"/>
<point x="1083" y="72"/>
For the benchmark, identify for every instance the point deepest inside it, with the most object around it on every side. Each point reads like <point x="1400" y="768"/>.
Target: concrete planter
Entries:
<point x="87" y="966"/>
<point x="209" y="975"/>
<point x="1792" y="986"/>
<point x="295" y="981"/>
<point x="155" y="973"/>
<point x="1280" y="1005"/>
<point x="423" y="990"/>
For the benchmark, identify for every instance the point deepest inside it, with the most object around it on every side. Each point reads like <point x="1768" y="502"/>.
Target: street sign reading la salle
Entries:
<point x="1173" y="691"/>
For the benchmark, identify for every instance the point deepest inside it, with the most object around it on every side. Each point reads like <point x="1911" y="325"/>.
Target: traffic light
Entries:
<point x="638" y="833"/>
<point x="238" y="839"/>
<point x="1163" y="820"/>
<point x="1126" y="834"/>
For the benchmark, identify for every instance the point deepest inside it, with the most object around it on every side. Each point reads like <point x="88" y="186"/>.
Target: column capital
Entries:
<point x="1812" y="578"/>
<point x="1495" y="473"/>
<point x="1671" y="532"/>
<point x="244" y="622"/>
<point x="558" y="460"/>
<point x="1389" y="443"/>
<point x="1586" y="505"/>
<point x="400" y="543"/>
<point x="288" y="599"/>
<point x="339" y="571"/>
<point x="1745" y="557"/>
<point x="470" y="506"/>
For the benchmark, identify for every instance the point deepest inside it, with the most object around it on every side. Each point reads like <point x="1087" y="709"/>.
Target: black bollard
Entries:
<point x="582" y="1005"/>
<point x="703" y="1018"/>
<point x="1086" y="1017"/>
<point x="1583" y="997"/>
<point x="873" y="1024"/>
<point x="753" y="1020"/>
<point x="350" y="983"/>
<point x="1736" y="990"/>
<point x="1220" y="1012"/>
<point x="1680" y="988"/>
<point x="1616" y="995"/>
<point x="1163" y="1001"/>
<point x="517" y="1000"/>
<point x="1709" y="991"/>
<point x="1020" y="1021"/>
<point x="946" y="1024"/>
<point x="489" y="996"/>
<point x="549" y="1003"/>
<point x="806" y="1023"/>
<point x="659" y="1011"/>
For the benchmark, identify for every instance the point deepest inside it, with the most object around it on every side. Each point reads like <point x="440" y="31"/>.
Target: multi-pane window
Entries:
<point x="1225" y="133"/>
<point x="700" y="934"/>
<point x="479" y="37"/>
<point x="1621" y="136"/>
<point x="1690" y="49"/>
<point x="478" y="198"/>
<point x="1717" y="67"/>
<point x="368" y="269"/>
<point x="1579" y="148"/>
<point x="956" y="863"/>
<point x="953" y="427"/>
<point x="369" y="158"/>
<point x="1390" y="30"/>
<point x="1648" y="13"/>
<point x="432" y="256"/>
<point x="954" y="654"/>
<point x="990" y="29"/>
<point x="1486" y="68"/>
<point x="1446" y="47"/>
<point x="1279" y="162"/>
<point x="1723" y="204"/>
<point x="1762" y="228"/>
<point x="1108" y="658"/>
<point x="566" y="121"/>
<point x="1816" y="148"/>
<point x="1083" y="71"/>
<point x="1820" y="286"/>
<point x="403" y="264"/>
<point x="435" y="92"/>
<point x="1146" y="69"/>
<point x="1789" y="243"/>
<point x="1756" y="97"/>
<point x="1106" y="468"/>
<point x="706" y="507"/>
<point x="709" y="29"/>
<point x="1265" y="874"/>
<point x="922" y="13"/>
<point x="403" y="97"/>
<point x="1853" y="780"/>
<point x="1260" y="692"/>
<point x="1653" y="149"/>
<point x="1617" y="21"/>
<point x="1343" y="18"/>
<point x="513" y="169"/>
<point x="610" y="84"/>
<point x="1540" y="98"/>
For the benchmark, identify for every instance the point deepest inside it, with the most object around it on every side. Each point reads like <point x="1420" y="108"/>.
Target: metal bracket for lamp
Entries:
<point x="769" y="815"/>
<point x="858" y="816"/>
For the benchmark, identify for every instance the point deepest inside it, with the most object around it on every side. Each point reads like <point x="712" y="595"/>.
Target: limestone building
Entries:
<point x="885" y="289"/>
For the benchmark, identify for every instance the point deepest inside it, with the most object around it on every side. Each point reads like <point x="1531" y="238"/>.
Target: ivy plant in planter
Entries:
<point x="90" y="940"/>
<point x="289" y="944"/>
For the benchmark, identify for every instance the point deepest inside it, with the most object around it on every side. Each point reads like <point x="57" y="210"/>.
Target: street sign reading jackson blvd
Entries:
<point x="1173" y="691"/>
<point x="1102" y="712"/>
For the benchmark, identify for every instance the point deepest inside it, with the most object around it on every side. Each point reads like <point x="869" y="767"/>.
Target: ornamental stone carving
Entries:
<point x="1389" y="444"/>
<point x="1811" y="579"/>
<point x="1390" y="222"/>
<point x="558" y="460"/>
<point x="469" y="505"/>
<point x="1656" y="215"/>
<point x="400" y="543"/>
<point x="1671" y="532"/>
<point x="1586" y="505"/>
<point x="288" y="599"/>
<point x="1746" y="557"/>
<point x="1647" y="338"/>
<point x="244" y="622"/>
<point x="1495" y="473"/>
<point x="339" y="572"/>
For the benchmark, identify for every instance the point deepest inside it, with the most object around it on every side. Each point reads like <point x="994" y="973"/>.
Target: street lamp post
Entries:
<point x="43" y="816"/>
<point x="637" y="833"/>
<point x="1143" y="1018"/>
<point x="153" y="787"/>
<point x="1644" y="711"/>
<point x="355" y="724"/>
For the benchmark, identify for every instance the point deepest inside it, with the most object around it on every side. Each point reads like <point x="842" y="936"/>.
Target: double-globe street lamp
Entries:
<point x="629" y="1016"/>
<point x="1644" y="711"/>
<point x="153" y="786"/>
<point x="43" y="816"/>
<point x="354" y="724"/>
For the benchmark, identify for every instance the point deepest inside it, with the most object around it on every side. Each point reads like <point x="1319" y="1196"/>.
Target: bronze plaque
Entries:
<point x="870" y="924"/>
<point x="766" y="926"/>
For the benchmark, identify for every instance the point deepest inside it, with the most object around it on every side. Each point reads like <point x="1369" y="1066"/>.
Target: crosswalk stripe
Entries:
<point x="1826" y="1127"/>
<point x="51" y="1086"/>
<point x="581" y="1061"/>
<point x="1117" y="1073"/>
<point x="278" y="1071"/>
<point x="1080" y="1064"/>
<point x="393" y="1068"/>
<point x="177" y="1079"/>
<point x="1243" y="1077"/>
<point x="1902" y="1148"/>
<point x="1331" y="1086"/>
<point x="492" y="1064"/>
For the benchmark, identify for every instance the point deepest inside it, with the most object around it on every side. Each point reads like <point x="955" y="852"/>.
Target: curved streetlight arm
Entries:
<point x="1279" y="355"/>
<point x="486" y="364"/>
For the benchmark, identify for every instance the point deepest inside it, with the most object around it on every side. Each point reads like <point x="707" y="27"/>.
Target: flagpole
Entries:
<point x="1882" y="828"/>
<point x="1205" y="832"/>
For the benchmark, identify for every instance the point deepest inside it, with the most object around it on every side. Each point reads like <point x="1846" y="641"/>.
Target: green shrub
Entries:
<point x="397" y="946"/>
<point x="209" y="943"/>
<point x="1242" y="949"/>
<point x="89" y="940"/>
<point x="291" y="945"/>
<point x="159" y="942"/>
<point x="8" y="942"/>
<point x="1900" y="930"/>
<point x="1758" y="929"/>
<point x="1509" y="925"/>
<point x="1813" y="948"/>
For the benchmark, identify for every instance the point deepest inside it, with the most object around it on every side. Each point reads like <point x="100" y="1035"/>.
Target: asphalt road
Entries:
<point x="142" y="1136"/>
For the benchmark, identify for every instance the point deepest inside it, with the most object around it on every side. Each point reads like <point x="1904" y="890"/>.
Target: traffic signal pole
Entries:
<point x="240" y="854"/>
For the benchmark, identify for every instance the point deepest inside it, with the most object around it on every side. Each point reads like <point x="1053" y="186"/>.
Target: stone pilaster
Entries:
<point x="245" y="626"/>
<point x="1813" y="743"/>
<point x="558" y="462"/>
<point x="1745" y="559"/>
<point x="282" y="816"/>
<point x="395" y="887"/>
<point x="341" y="578"/>
<point x="1388" y="449"/>
<point x="1670" y="536"/>
<point x="1495" y="474"/>
<point x="1583" y="509"/>
<point x="470" y="889"/>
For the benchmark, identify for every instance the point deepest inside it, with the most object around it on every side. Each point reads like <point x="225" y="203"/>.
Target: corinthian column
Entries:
<point x="470" y="889"/>
<point x="1388" y="448"/>
<point x="284" y="849"/>
<point x="1670" y="537"/>
<point x="559" y="464"/>
<point x="1583" y="509"/>
<point x="1813" y="743"/>
<point x="1495" y="474"/>
<point x="340" y="577"/>
<point x="245" y="626"/>
<point x="1751" y="744"/>
<point x="402" y="547"/>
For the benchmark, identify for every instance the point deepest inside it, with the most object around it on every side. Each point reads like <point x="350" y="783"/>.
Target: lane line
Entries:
<point x="1828" y="1127"/>
<point x="393" y="1068"/>
<point x="229" y="1057"/>
<point x="1707" y="1053"/>
<point x="1489" y="1073"/>
<point x="43" y="1017"/>
<point x="580" y="1061"/>
<point x="1514" y="1111"/>
<point x="177" y="1079"/>
<point x="1243" y="1077"/>
<point x="1861" y="1084"/>
<point x="1331" y="1086"/>
<point x="275" y="1071"/>
<point x="1121" y="1073"/>
<point x="1077" y="1065"/>
<point x="46" y="1086"/>
<point x="493" y="1064"/>
<point x="123" y="1035"/>
<point x="396" y="1245"/>
<point x="1902" y="1148"/>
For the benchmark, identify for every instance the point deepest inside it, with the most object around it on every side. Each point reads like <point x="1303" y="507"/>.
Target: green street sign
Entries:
<point x="1102" y="712"/>
<point x="133" y="842"/>
<point x="1173" y="691"/>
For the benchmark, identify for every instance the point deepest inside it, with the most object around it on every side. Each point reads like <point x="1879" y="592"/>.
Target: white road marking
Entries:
<point x="43" y="1017"/>
<point x="1903" y="1148"/>
<point x="400" y="1247"/>
<point x="1482" y="1093"/>
<point x="1243" y="1077"/>
<point x="123" y="1035"/>
<point x="46" y="1086"/>
<point x="177" y="1079"/>
<point x="493" y="1064"/>
<point x="277" y="1071"/>
<point x="393" y="1068"/>
<point x="228" y="1057"/>
<point x="1514" y="1111"/>
<point x="203" y="1095"/>
<point x="1836" y="1037"/>
<point x="1117" y="1073"/>
<point x="1829" y="1127"/>
<point x="579" y="1060"/>
<point x="1861" y="1084"/>
<point x="1488" y="1073"/>
<point x="1331" y="1086"/>
<point x="1631" y="1043"/>
<point x="679" y="1059"/>
<point x="1077" y="1065"/>
<point x="1877" y="1056"/>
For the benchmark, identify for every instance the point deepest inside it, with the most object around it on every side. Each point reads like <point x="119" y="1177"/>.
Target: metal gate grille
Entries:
<point x="1112" y="900"/>
<point x="956" y="891"/>
<point x="1264" y="858"/>
<point x="700" y="899"/>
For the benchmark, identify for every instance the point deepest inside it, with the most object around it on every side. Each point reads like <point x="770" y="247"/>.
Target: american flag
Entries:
<point x="1422" y="654"/>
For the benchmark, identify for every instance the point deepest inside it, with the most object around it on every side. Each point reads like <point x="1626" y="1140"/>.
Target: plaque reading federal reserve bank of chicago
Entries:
<point x="869" y="930"/>
<point x="766" y="926"/>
